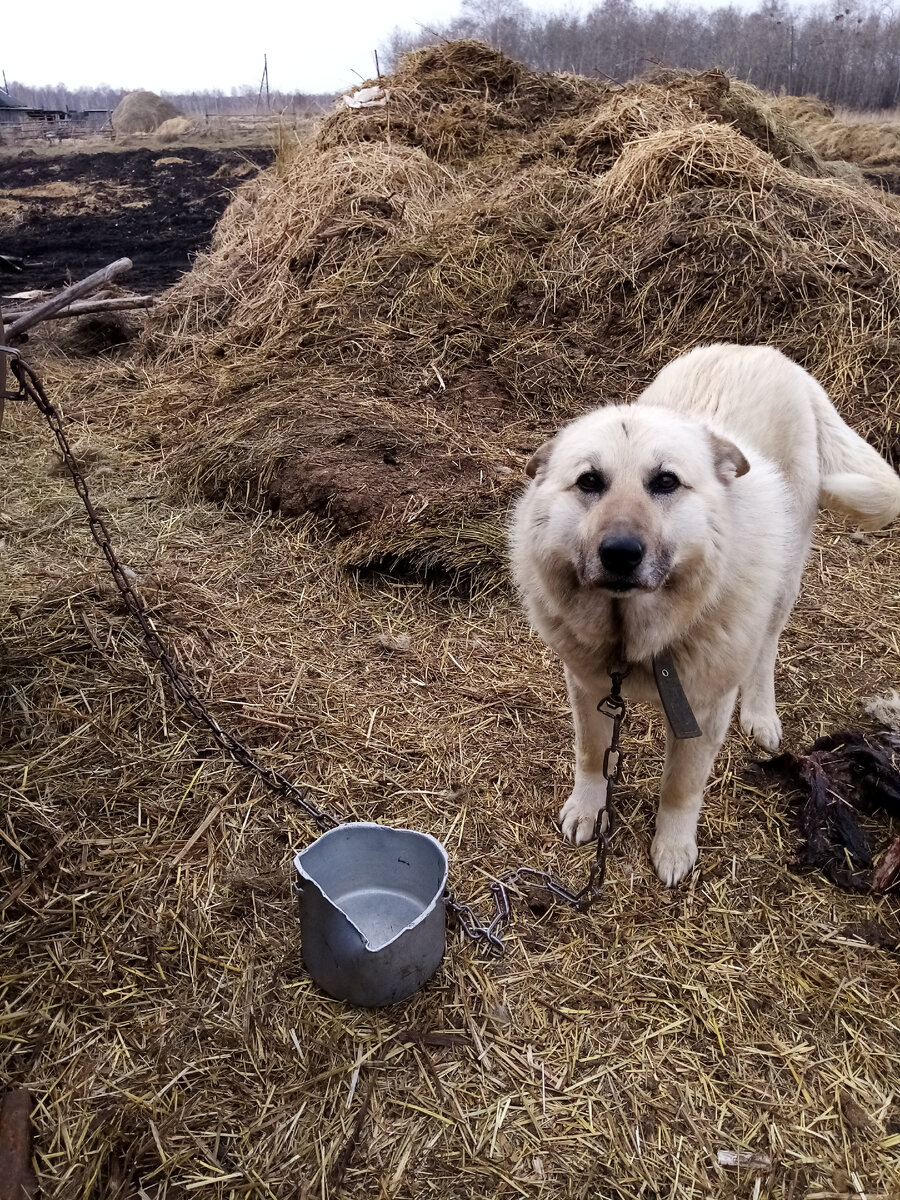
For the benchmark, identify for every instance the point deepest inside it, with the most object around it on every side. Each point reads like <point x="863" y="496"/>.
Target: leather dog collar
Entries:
<point x="675" y="703"/>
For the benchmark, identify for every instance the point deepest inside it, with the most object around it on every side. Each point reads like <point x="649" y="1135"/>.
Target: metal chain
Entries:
<point x="30" y="387"/>
<point x="487" y="934"/>
<point x="614" y="707"/>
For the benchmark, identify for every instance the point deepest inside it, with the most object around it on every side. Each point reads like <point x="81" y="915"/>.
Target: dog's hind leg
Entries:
<point x="688" y="764"/>
<point x="593" y="731"/>
<point x="759" y="716"/>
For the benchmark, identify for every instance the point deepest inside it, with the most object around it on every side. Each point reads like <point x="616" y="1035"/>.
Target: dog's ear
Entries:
<point x="537" y="464"/>
<point x="729" y="460"/>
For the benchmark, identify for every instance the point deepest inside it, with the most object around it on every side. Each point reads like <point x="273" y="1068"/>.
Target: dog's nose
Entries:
<point x="620" y="555"/>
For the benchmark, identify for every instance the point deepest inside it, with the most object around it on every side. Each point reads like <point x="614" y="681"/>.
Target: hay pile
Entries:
<point x="394" y="315"/>
<point x="176" y="128"/>
<point x="866" y="143"/>
<point x="142" y="112"/>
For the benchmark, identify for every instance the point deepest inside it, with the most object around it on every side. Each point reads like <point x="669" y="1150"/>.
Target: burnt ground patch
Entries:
<point x="158" y="207"/>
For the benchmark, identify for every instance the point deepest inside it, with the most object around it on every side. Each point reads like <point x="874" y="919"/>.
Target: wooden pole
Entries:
<point x="82" y="308"/>
<point x="2" y="369"/>
<point x="264" y="83"/>
<point x="64" y="298"/>
<point x="17" y="1177"/>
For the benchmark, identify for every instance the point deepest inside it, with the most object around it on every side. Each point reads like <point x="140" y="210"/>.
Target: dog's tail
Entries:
<point x="855" y="479"/>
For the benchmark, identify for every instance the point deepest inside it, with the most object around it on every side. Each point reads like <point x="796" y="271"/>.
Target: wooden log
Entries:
<point x="17" y="1177"/>
<point x="82" y="308"/>
<point x="2" y="370"/>
<point x="64" y="298"/>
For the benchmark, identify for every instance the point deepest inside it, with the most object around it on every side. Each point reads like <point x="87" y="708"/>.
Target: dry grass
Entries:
<point x="63" y="199"/>
<point x="154" y="996"/>
<point x="248" y="129"/>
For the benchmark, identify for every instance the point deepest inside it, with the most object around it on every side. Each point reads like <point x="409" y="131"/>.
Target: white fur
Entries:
<point x="756" y="446"/>
<point x="886" y="709"/>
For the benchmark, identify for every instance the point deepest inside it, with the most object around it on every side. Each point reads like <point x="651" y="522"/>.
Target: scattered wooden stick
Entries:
<point x="82" y="308"/>
<point x="64" y="298"/>
<point x="196" y="835"/>
<point x="336" y="1176"/>
<point x="17" y="1178"/>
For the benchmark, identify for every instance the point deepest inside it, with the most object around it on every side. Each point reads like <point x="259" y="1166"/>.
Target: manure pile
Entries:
<point x="391" y="318"/>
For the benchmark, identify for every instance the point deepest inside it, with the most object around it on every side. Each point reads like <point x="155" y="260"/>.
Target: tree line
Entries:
<point x="238" y="101"/>
<point x="847" y="55"/>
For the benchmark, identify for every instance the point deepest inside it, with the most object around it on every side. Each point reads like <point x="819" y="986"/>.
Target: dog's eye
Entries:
<point x="663" y="483"/>
<point x="591" y="481"/>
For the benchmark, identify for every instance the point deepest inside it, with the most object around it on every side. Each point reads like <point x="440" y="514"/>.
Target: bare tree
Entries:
<point x="846" y="52"/>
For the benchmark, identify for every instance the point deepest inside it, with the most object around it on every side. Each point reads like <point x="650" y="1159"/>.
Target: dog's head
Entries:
<point x="631" y="498"/>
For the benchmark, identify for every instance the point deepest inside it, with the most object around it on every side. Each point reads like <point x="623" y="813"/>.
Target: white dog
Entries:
<point x="682" y="523"/>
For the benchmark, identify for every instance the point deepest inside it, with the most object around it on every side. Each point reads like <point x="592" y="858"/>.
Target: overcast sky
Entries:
<point x="183" y="46"/>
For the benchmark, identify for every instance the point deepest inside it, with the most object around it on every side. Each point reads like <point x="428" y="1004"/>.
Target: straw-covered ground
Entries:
<point x="155" y="1002"/>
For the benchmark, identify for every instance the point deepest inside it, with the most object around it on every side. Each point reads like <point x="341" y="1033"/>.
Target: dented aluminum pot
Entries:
<point x="372" y="911"/>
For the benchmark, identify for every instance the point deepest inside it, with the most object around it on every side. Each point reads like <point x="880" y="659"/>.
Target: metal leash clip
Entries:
<point x="13" y="355"/>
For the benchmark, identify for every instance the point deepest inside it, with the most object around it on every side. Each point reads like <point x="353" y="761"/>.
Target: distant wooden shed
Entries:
<point x="13" y="113"/>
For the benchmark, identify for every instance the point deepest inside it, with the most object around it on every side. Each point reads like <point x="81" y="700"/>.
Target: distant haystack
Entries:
<point x="142" y="112"/>
<point x="175" y="128"/>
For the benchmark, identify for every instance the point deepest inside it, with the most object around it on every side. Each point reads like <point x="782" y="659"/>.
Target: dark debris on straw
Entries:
<point x="843" y="775"/>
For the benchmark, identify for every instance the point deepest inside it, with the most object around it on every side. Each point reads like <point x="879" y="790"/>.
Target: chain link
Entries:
<point x="488" y="935"/>
<point x="614" y="707"/>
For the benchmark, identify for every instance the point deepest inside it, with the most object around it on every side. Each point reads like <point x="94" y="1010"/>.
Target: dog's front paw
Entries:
<point x="763" y="726"/>
<point x="578" y="816"/>
<point x="673" y="856"/>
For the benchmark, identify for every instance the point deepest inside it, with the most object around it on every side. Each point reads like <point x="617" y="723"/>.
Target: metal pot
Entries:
<point x="372" y="913"/>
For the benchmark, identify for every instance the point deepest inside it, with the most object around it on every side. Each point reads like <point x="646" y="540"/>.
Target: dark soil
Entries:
<point x="355" y="471"/>
<point x="887" y="178"/>
<point x="355" y="475"/>
<point x="157" y="214"/>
